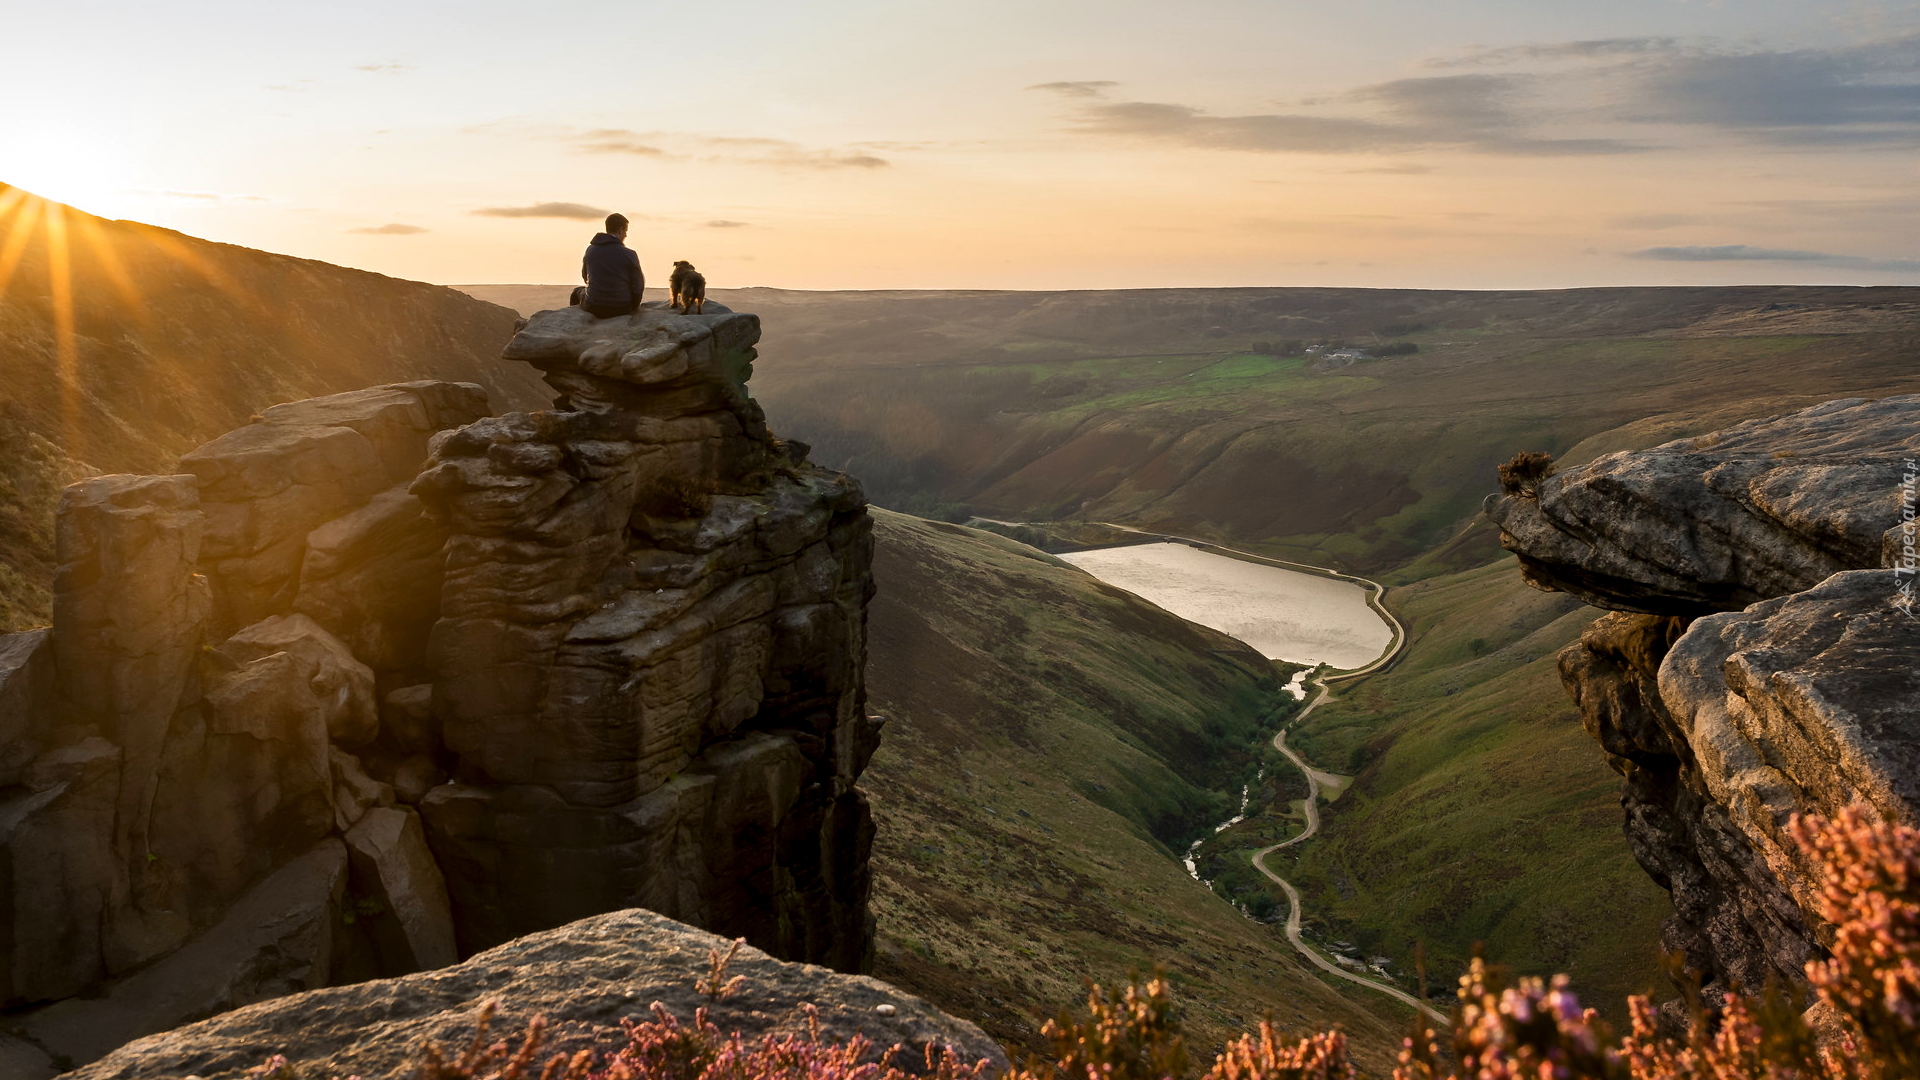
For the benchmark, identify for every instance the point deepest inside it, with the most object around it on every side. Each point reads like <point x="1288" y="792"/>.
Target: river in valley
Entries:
<point x="1285" y="614"/>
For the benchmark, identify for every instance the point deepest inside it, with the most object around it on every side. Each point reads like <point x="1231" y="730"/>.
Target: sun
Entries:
<point x="79" y="168"/>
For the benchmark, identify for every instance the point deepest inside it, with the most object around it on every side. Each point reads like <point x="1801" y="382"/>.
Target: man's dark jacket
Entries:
<point x="612" y="273"/>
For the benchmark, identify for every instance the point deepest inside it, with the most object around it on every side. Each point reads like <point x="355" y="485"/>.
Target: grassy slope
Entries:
<point x="175" y="340"/>
<point x="1043" y="726"/>
<point x="1481" y="811"/>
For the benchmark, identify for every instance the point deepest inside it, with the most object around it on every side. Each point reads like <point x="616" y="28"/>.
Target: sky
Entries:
<point x="1038" y="144"/>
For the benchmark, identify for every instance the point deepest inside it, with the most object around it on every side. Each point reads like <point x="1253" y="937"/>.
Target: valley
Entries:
<point x="1479" y="811"/>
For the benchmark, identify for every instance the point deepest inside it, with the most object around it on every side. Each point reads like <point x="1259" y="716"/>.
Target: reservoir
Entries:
<point x="1284" y="614"/>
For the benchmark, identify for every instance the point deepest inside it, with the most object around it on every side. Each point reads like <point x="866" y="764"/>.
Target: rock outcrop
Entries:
<point x="478" y="675"/>
<point x="584" y="978"/>
<point x="1762" y="658"/>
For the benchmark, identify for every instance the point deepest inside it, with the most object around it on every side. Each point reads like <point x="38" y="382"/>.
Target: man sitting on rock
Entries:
<point x="612" y="273"/>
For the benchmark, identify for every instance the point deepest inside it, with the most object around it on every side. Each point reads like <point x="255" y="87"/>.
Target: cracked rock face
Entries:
<point x="649" y="652"/>
<point x="1761" y="661"/>
<point x="431" y="680"/>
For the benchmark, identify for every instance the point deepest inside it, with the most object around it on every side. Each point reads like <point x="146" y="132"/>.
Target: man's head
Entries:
<point x="617" y="225"/>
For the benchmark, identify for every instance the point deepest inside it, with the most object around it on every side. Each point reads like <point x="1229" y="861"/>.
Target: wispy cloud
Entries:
<point x="390" y="67"/>
<point x="725" y="149"/>
<point x="389" y="229"/>
<point x="617" y="141"/>
<point x="1478" y="112"/>
<point x="572" y="211"/>
<point x="1744" y="253"/>
<point x="1597" y="49"/>
<point x="196" y="196"/>
<point x="1091" y="88"/>
<point x="1652" y="221"/>
<point x="724" y="224"/>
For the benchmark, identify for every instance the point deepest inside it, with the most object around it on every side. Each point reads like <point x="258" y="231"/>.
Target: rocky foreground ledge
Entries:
<point x="584" y="978"/>
<point x="1760" y="660"/>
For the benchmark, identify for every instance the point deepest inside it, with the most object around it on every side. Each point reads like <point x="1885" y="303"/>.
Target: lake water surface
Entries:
<point x="1285" y="614"/>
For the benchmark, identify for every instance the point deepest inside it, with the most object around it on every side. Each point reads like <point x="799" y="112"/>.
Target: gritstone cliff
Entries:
<point x="380" y="680"/>
<point x="1762" y="657"/>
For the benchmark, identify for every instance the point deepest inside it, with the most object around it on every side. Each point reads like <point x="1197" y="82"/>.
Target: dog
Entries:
<point x="689" y="289"/>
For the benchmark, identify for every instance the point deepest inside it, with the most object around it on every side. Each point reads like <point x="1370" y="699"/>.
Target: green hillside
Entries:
<point x="1048" y="736"/>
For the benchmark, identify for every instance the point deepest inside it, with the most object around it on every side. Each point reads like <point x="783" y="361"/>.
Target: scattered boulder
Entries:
<point x="392" y="867"/>
<point x="583" y="977"/>
<point x="26" y="700"/>
<point x="342" y="687"/>
<point x="278" y="939"/>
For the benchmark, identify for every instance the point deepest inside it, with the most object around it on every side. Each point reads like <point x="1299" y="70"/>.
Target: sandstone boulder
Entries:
<point x="129" y="615"/>
<point x="267" y="485"/>
<point x="584" y="978"/>
<point x="392" y="867"/>
<point x="1759" y="510"/>
<point x="278" y="939"/>
<point x="27" y="700"/>
<point x="341" y="686"/>
<point x="1802" y="704"/>
<point x="372" y="577"/>
<point x="58" y="870"/>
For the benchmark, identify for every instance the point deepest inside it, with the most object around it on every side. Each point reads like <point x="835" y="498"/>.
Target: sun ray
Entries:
<point x="100" y="245"/>
<point x="194" y="261"/>
<point x="10" y="199"/>
<point x="18" y="234"/>
<point x="66" y="344"/>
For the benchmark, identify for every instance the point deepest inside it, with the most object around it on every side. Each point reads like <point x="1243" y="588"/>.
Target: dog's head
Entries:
<point x="683" y="264"/>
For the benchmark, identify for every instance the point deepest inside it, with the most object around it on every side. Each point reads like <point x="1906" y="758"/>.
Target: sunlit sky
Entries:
<point x="997" y="144"/>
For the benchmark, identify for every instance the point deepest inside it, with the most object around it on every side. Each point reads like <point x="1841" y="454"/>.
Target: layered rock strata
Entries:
<point x="1762" y="659"/>
<point x="419" y="680"/>
<point x="649" y="653"/>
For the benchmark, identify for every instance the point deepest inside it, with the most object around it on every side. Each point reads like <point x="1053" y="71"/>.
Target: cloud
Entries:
<point x="1476" y="112"/>
<point x="724" y="224"/>
<point x="1596" y="49"/>
<point x="617" y="141"/>
<point x="1857" y="95"/>
<point x="1408" y="169"/>
<point x="1088" y="89"/>
<point x="570" y="210"/>
<point x="1744" y="253"/>
<point x="731" y="149"/>
<point x="1565" y="99"/>
<point x="391" y="67"/>
<point x="196" y="196"/>
<point x="1652" y="221"/>
<point x="390" y="229"/>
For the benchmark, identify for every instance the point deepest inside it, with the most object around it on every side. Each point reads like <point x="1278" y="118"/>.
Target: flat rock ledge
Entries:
<point x="1718" y="522"/>
<point x="583" y="977"/>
